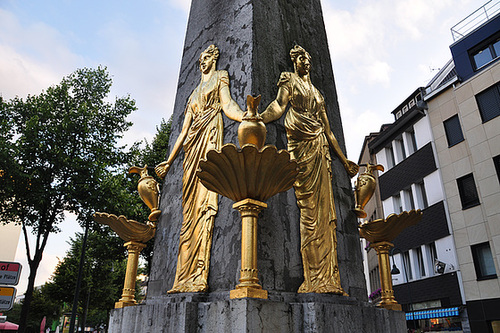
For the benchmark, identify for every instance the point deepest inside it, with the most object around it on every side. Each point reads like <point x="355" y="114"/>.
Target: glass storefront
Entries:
<point x="436" y="320"/>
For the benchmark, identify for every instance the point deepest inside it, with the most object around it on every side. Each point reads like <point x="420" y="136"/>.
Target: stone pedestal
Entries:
<point x="282" y="312"/>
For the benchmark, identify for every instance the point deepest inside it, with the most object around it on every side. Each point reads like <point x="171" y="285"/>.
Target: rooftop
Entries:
<point x="475" y="19"/>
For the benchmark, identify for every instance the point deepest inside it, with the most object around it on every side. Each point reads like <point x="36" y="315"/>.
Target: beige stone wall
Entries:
<point x="9" y="239"/>
<point x="474" y="155"/>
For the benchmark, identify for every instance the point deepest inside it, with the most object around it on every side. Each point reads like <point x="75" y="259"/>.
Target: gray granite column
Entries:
<point x="254" y="38"/>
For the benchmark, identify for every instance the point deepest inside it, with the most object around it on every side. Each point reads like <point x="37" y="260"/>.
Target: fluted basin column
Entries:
<point x="128" y="295"/>
<point x="249" y="282"/>
<point x="388" y="301"/>
<point x="380" y="233"/>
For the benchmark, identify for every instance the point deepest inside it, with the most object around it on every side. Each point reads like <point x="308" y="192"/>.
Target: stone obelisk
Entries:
<point x="254" y="39"/>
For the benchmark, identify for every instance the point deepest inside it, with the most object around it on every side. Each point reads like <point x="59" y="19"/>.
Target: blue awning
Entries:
<point x="436" y="313"/>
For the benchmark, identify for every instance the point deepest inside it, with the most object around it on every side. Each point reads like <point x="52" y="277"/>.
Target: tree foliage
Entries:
<point x="104" y="272"/>
<point x="57" y="150"/>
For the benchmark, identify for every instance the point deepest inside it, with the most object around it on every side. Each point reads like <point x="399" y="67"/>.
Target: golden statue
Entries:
<point x="309" y="138"/>
<point x="202" y="131"/>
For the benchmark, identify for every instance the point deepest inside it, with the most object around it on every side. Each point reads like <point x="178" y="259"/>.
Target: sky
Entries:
<point x="382" y="50"/>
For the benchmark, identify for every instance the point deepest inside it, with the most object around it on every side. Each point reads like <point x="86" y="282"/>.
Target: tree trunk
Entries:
<point x="28" y="296"/>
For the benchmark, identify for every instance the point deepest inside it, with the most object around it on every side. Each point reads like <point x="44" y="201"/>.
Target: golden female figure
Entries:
<point x="309" y="139"/>
<point x="202" y="130"/>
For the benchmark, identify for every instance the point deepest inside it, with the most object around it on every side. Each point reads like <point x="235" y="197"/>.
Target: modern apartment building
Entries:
<point x="464" y="112"/>
<point x="412" y="180"/>
<point x="442" y="155"/>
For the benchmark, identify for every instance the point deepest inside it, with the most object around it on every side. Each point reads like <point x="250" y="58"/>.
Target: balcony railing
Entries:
<point x="474" y="20"/>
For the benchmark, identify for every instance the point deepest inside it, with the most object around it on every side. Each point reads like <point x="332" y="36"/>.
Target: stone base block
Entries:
<point x="246" y="292"/>
<point x="282" y="312"/>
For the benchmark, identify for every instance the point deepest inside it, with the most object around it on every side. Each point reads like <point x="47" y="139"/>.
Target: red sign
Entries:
<point x="10" y="272"/>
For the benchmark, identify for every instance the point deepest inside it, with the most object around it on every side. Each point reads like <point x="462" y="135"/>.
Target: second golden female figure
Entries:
<point x="309" y="139"/>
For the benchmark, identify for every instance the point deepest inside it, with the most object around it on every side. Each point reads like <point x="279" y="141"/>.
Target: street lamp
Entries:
<point x="395" y="271"/>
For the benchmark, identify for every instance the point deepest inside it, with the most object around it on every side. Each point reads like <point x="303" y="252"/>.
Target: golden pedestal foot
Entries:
<point x="394" y="306"/>
<point x="123" y="304"/>
<point x="248" y="292"/>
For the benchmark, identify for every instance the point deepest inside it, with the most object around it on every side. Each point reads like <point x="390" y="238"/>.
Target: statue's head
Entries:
<point x="208" y="59"/>
<point x="301" y="60"/>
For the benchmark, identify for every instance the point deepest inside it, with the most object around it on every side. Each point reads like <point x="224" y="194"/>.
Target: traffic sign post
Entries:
<point x="10" y="273"/>
<point x="7" y="297"/>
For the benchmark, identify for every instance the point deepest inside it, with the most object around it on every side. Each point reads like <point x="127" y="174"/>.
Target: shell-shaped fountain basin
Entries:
<point x="248" y="172"/>
<point x="128" y="230"/>
<point x="388" y="229"/>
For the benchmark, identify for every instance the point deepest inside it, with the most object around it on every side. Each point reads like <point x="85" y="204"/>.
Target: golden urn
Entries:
<point x="148" y="191"/>
<point x="252" y="129"/>
<point x="365" y="187"/>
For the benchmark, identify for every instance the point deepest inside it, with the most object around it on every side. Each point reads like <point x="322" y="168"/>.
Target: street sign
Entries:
<point x="10" y="273"/>
<point x="7" y="297"/>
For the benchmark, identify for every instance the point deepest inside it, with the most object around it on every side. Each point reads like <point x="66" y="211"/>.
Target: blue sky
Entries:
<point x="382" y="50"/>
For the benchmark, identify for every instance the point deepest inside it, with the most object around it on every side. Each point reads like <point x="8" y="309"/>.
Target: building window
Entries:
<point x="420" y="262"/>
<point x="390" y="157"/>
<point x="483" y="261"/>
<point x="374" y="279"/>
<point x="453" y="131"/>
<point x="412" y="142"/>
<point x="488" y="102"/>
<point x="400" y="149"/>
<point x="431" y="257"/>
<point x="482" y="57"/>
<point x="468" y="192"/>
<point x="486" y="54"/>
<point x="421" y="195"/>
<point x="496" y="161"/>
<point x="408" y="197"/>
<point x="398" y="207"/>
<point x="407" y="266"/>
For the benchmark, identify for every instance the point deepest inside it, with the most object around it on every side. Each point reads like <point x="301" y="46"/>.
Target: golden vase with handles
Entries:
<point x="365" y="187"/>
<point x="252" y="129"/>
<point x="148" y="191"/>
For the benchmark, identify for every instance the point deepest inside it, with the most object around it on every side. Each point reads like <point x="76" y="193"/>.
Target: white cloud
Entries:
<point x="377" y="72"/>
<point x="416" y="16"/>
<point x="20" y="75"/>
<point x="32" y="57"/>
<point x="181" y="4"/>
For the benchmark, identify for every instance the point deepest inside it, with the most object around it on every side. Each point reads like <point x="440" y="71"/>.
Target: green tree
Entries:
<point x="57" y="150"/>
<point x="105" y="265"/>
<point x="41" y="306"/>
<point x="155" y="152"/>
<point x="105" y="257"/>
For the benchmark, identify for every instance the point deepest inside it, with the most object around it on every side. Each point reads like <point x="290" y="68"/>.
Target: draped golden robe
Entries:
<point x="199" y="204"/>
<point x="307" y="144"/>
